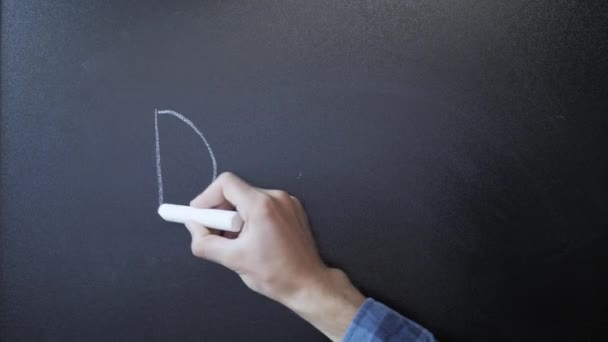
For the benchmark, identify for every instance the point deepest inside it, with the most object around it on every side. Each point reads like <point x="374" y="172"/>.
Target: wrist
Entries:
<point x="329" y="301"/>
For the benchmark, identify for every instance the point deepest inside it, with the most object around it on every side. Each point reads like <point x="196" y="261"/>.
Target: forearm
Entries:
<point x="328" y="302"/>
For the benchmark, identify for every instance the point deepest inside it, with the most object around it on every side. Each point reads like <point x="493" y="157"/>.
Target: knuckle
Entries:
<point x="265" y="205"/>
<point x="296" y="200"/>
<point x="226" y="176"/>
<point x="197" y="249"/>
<point x="283" y="196"/>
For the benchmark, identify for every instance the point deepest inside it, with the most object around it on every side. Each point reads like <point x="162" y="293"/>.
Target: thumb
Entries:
<point x="213" y="247"/>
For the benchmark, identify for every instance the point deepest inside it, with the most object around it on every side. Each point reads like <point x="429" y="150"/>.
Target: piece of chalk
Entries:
<point x="210" y="218"/>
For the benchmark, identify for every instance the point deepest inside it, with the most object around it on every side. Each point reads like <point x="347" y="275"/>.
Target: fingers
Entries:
<point x="208" y="244"/>
<point x="215" y="248"/>
<point x="282" y="196"/>
<point x="279" y="195"/>
<point x="225" y="192"/>
<point x="196" y="230"/>
<point x="224" y="233"/>
<point x="290" y="201"/>
<point x="227" y="188"/>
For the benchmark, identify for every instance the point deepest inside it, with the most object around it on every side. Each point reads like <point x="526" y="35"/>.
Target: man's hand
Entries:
<point x="275" y="254"/>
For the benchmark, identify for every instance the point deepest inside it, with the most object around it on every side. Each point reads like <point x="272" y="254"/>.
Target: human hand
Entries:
<point x="275" y="254"/>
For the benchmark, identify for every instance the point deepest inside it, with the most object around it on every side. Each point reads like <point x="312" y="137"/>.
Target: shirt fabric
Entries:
<point x="375" y="322"/>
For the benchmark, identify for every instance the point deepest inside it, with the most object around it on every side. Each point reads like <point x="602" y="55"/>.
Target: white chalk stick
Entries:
<point x="210" y="218"/>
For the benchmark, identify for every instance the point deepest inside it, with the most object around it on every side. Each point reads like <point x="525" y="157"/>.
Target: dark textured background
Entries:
<point x="450" y="155"/>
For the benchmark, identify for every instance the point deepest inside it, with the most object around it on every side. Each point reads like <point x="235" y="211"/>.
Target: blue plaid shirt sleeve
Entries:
<point x="375" y="322"/>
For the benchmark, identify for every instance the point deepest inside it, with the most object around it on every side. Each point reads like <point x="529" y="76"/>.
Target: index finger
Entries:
<point x="227" y="188"/>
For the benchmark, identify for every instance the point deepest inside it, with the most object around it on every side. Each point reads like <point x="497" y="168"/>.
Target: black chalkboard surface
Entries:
<point x="450" y="154"/>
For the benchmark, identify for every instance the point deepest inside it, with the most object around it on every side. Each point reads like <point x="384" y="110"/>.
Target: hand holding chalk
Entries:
<point x="211" y="218"/>
<point x="276" y="255"/>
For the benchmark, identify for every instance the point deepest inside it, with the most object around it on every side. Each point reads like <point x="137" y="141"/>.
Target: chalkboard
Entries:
<point x="450" y="154"/>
